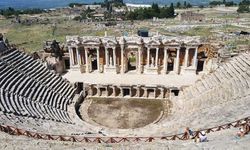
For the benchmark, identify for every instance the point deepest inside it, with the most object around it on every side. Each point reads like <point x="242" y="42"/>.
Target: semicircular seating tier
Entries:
<point x="28" y="88"/>
<point x="219" y="97"/>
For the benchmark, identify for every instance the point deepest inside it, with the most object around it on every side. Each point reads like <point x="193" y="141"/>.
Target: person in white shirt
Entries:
<point x="203" y="137"/>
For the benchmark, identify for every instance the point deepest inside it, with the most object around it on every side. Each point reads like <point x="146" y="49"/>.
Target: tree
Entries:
<point x="178" y="5"/>
<point x="155" y="8"/>
<point x="189" y="5"/>
<point x="149" y="13"/>
<point x="215" y="3"/>
<point x="171" y="10"/>
<point x="185" y="4"/>
<point x="244" y="6"/>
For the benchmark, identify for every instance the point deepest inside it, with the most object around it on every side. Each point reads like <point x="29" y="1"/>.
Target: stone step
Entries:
<point x="246" y="58"/>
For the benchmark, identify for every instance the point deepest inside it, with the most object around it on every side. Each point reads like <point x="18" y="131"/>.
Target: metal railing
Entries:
<point x="102" y="139"/>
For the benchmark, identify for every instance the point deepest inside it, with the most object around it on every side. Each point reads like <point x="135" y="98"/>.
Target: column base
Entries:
<point x="112" y="69"/>
<point x="151" y="70"/>
<point x="172" y="73"/>
<point x="164" y="71"/>
<point x="188" y="70"/>
<point x="76" y="67"/>
<point x="140" y="69"/>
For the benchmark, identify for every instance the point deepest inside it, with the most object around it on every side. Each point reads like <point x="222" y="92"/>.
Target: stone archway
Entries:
<point x="202" y="57"/>
<point x="93" y="62"/>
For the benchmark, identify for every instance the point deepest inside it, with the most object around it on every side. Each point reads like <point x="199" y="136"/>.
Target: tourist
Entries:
<point x="247" y="127"/>
<point x="202" y="137"/>
<point x="241" y="132"/>
<point x="189" y="133"/>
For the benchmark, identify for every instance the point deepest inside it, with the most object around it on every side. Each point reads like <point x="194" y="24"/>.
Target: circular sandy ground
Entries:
<point x="124" y="113"/>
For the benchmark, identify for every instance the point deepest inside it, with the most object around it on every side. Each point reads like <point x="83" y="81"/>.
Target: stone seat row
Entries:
<point x="12" y="103"/>
<point x="62" y="87"/>
<point x="229" y="82"/>
<point x="36" y="70"/>
<point x="29" y="89"/>
<point x="17" y="82"/>
<point x="234" y="71"/>
<point x="224" y="93"/>
<point x="197" y="89"/>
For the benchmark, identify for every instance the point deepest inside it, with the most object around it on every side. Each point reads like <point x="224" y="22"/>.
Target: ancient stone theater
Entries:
<point x="123" y="89"/>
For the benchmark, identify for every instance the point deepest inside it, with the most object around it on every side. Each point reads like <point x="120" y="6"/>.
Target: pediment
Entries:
<point x="193" y="42"/>
<point x="171" y="42"/>
<point x="110" y="42"/>
<point x="153" y="42"/>
<point x="92" y="42"/>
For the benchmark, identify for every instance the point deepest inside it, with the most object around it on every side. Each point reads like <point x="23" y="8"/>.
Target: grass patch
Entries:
<point x="199" y="31"/>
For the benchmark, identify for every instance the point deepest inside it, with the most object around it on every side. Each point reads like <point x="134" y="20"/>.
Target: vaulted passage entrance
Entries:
<point x="171" y="59"/>
<point x="201" y="61"/>
<point x="131" y="61"/>
<point x="93" y="60"/>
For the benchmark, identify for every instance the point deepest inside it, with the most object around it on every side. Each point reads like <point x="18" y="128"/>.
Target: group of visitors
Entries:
<point x="201" y="137"/>
<point x="245" y="129"/>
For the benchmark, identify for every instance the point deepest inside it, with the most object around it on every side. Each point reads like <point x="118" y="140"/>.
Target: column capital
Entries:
<point x="166" y="47"/>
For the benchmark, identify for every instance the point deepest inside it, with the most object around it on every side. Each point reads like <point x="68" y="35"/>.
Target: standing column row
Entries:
<point x="153" y="63"/>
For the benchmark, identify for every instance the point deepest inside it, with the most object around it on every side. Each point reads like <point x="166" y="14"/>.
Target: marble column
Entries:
<point x="114" y="91"/>
<point x="155" y="90"/>
<point x="114" y="56"/>
<point x="139" y="59"/>
<point x="162" y="93"/>
<point x="130" y="92"/>
<point x="156" y="57"/>
<point x="121" y="89"/>
<point x="98" y="59"/>
<point x="148" y="57"/>
<point x="195" y="58"/>
<point x="78" y="56"/>
<point x="98" y="91"/>
<point x="177" y="61"/>
<point x="165" y="63"/>
<point x="86" y="60"/>
<point x="106" y="57"/>
<point x="138" y="91"/>
<point x="122" y="59"/>
<point x="186" y="57"/>
<point x="71" y="56"/>
<point x="170" y="94"/>
<point x="144" y="92"/>
<point x="107" y="91"/>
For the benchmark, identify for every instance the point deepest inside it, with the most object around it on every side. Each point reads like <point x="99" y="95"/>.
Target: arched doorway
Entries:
<point x="172" y="54"/>
<point x="131" y="60"/>
<point x="92" y="55"/>
<point x="201" y="61"/>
